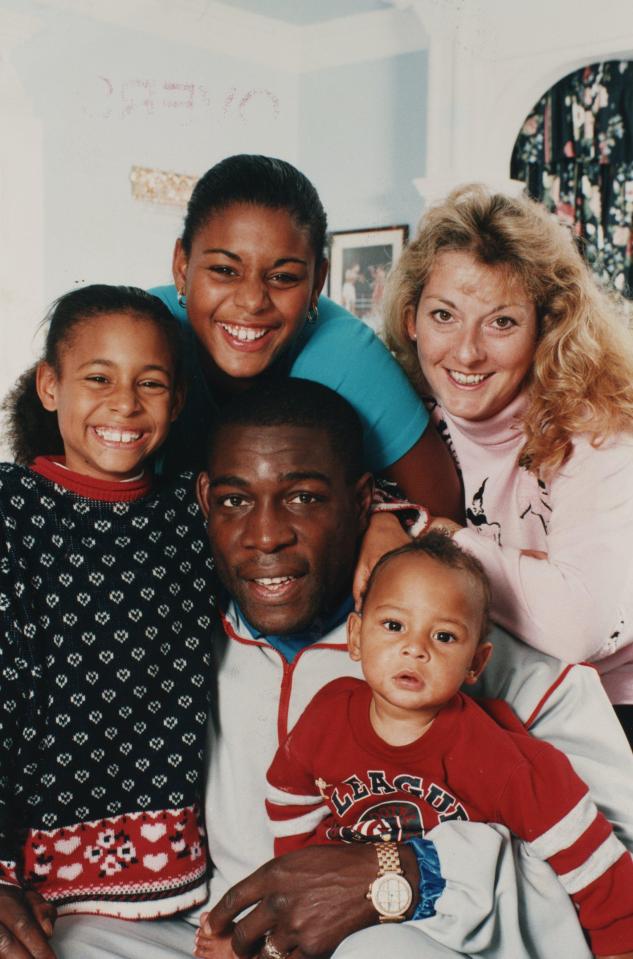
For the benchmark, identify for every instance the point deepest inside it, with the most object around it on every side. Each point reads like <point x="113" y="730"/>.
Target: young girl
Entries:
<point x="105" y="605"/>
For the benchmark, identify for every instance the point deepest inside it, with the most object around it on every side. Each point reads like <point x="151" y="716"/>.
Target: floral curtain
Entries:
<point x="575" y="153"/>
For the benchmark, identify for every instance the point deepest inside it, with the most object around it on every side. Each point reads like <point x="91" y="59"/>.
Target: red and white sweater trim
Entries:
<point x="137" y="865"/>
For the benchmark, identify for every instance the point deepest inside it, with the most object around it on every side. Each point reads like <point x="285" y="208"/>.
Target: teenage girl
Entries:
<point x="248" y="272"/>
<point x="105" y="604"/>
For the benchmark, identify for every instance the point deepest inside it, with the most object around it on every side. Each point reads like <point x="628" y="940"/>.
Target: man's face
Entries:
<point x="283" y="523"/>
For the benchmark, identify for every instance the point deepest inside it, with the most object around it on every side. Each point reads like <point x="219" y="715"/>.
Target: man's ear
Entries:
<point x="353" y="636"/>
<point x="179" y="264"/>
<point x="363" y="495"/>
<point x="203" y="490"/>
<point x="46" y="385"/>
<point x="479" y="662"/>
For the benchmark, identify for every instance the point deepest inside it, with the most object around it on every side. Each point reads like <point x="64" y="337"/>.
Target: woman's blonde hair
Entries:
<point x="582" y="374"/>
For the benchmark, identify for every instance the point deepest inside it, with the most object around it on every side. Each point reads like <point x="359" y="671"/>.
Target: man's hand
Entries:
<point x="309" y="900"/>
<point x="384" y="533"/>
<point x="26" y="923"/>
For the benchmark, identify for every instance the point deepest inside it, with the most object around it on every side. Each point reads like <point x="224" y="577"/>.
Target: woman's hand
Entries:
<point x="441" y="524"/>
<point x="384" y="533"/>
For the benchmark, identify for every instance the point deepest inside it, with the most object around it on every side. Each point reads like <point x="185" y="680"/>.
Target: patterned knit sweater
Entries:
<point x="106" y="605"/>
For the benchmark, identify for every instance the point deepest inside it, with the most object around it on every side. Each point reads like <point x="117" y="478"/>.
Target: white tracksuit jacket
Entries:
<point x="498" y="903"/>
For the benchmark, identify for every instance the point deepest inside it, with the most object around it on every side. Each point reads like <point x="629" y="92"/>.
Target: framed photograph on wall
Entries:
<point x="359" y="262"/>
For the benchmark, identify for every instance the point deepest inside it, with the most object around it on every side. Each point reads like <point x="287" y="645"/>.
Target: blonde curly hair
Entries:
<point x="581" y="379"/>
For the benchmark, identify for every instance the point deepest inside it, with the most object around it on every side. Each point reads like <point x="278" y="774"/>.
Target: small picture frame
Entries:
<point x="359" y="263"/>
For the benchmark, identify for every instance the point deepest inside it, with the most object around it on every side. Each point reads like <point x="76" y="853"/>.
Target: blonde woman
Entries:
<point x="493" y="313"/>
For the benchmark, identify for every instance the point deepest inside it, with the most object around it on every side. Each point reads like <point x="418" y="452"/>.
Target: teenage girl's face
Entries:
<point x="475" y="331"/>
<point x="113" y="394"/>
<point x="250" y="279"/>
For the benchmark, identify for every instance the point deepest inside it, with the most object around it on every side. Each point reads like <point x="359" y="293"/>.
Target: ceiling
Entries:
<point x="301" y="13"/>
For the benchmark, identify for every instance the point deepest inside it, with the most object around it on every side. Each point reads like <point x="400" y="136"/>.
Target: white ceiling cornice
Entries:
<point x="220" y="28"/>
<point x="363" y="37"/>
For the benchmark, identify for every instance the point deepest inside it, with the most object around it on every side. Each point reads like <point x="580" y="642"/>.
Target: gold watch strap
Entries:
<point x="388" y="858"/>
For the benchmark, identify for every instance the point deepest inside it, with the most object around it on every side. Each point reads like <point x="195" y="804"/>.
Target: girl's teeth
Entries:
<point x="118" y="436"/>
<point x="244" y="333"/>
<point x="468" y="379"/>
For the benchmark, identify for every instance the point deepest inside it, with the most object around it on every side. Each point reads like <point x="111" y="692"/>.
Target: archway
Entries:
<point x="575" y="153"/>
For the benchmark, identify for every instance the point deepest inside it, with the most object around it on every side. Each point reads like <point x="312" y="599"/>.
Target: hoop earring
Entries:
<point x="182" y="298"/>
<point x="313" y="314"/>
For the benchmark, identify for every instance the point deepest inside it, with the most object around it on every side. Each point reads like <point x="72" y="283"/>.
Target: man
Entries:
<point x="286" y="501"/>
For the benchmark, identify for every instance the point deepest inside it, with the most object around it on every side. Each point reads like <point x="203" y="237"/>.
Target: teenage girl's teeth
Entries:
<point x="118" y="436"/>
<point x="244" y="333"/>
<point x="468" y="379"/>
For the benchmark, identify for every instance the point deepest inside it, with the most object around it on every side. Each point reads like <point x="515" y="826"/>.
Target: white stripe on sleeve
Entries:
<point x="281" y="797"/>
<point x="295" y="827"/>
<point x="566" y="831"/>
<point x="593" y="867"/>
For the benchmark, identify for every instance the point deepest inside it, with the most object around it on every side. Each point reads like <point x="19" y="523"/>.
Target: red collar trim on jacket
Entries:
<point x="109" y="491"/>
<point x="287" y="669"/>
<point x="546" y="695"/>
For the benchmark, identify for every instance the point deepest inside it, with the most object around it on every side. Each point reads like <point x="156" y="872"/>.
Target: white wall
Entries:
<point x="430" y="89"/>
<point x="90" y="89"/>
<point x="81" y="101"/>
<point x="371" y="139"/>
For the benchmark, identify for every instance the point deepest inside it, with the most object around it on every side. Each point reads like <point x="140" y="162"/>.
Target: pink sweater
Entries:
<point x="577" y="603"/>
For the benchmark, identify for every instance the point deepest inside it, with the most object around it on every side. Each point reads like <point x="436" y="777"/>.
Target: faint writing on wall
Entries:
<point x="143" y="97"/>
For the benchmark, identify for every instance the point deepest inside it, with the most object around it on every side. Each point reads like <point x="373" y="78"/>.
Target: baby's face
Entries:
<point x="418" y="637"/>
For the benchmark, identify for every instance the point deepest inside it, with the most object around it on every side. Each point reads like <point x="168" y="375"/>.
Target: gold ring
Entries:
<point x="272" y="951"/>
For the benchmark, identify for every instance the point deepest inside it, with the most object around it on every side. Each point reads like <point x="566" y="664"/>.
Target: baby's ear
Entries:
<point x="46" y="385"/>
<point x="479" y="663"/>
<point x="353" y="636"/>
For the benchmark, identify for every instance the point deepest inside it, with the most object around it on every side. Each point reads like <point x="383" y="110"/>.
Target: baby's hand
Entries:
<point x="208" y="945"/>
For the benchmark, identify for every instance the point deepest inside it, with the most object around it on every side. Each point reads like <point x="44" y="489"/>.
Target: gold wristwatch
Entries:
<point x="390" y="892"/>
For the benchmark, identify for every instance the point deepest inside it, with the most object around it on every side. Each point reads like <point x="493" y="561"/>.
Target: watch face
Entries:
<point x="391" y="894"/>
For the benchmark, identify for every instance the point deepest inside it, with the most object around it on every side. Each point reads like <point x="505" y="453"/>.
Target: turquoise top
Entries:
<point x="337" y="350"/>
